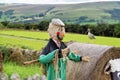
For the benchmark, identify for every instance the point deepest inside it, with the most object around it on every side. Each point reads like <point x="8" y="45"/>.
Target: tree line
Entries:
<point x="99" y="29"/>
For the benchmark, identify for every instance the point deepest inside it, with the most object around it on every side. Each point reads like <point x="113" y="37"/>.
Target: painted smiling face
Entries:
<point x="56" y="29"/>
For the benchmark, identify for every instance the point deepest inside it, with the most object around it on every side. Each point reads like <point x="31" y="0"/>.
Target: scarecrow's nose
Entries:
<point x="63" y="34"/>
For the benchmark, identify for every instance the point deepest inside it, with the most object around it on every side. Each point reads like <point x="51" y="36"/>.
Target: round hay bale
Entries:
<point x="93" y="70"/>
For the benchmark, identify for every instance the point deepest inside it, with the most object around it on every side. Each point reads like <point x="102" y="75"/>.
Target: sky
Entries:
<point x="51" y="1"/>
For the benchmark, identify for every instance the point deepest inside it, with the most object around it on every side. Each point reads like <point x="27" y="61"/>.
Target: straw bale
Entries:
<point x="93" y="70"/>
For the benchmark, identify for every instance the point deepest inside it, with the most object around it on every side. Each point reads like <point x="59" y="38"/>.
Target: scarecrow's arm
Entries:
<point x="74" y="57"/>
<point x="47" y="58"/>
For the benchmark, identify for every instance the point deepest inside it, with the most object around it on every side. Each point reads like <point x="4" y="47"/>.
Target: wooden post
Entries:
<point x="1" y="67"/>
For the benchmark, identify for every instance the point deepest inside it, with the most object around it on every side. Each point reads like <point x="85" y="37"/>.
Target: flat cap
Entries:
<point x="58" y="22"/>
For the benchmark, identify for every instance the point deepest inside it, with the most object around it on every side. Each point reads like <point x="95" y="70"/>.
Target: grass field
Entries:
<point x="25" y="33"/>
<point x="37" y="40"/>
<point x="99" y="40"/>
<point x="20" y="38"/>
<point x="21" y="42"/>
<point x="23" y="71"/>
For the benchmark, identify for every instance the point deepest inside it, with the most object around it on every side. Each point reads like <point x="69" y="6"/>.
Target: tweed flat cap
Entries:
<point x="58" y="22"/>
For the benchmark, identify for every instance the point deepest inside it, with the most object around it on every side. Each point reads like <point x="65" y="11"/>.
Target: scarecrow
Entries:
<point x="55" y="55"/>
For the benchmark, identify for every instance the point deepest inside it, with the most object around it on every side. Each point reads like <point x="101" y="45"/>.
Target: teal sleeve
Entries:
<point x="47" y="58"/>
<point x="74" y="57"/>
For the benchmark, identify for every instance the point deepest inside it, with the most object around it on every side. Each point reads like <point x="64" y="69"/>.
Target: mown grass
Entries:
<point x="26" y="33"/>
<point x="100" y="40"/>
<point x="21" y="42"/>
<point x="110" y="41"/>
<point x="23" y="71"/>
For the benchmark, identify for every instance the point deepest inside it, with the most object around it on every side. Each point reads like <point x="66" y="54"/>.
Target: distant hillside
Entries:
<point x="70" y="13"/>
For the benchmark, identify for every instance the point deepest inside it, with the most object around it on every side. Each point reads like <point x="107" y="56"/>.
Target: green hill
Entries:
<point x="69" y="13"/>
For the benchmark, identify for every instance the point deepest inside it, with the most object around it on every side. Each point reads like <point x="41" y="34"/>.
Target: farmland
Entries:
<point x="32" y="38"/>
<point x="37" y="40"/>
<point x="22" y="39"/>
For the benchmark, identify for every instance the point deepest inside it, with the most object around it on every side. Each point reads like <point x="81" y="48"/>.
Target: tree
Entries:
<point x="101" y="28"/>
<point x="15" y="25"/>
<point x="27" y="26"/>
<point x="1" y="26"/>
<point x="117" y="30"/>
<point x="43" y="25"/>
<point x="5" y="23"/>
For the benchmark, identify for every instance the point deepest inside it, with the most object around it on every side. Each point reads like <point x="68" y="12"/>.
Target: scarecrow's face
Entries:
<point x="61" y="33"/>
<point x="56" y="31"/>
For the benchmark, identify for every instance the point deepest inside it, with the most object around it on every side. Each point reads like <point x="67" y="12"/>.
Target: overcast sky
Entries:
<point x="50" y="1"/>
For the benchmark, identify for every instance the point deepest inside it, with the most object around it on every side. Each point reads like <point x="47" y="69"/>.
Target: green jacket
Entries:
<point x="47" y="60"/>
